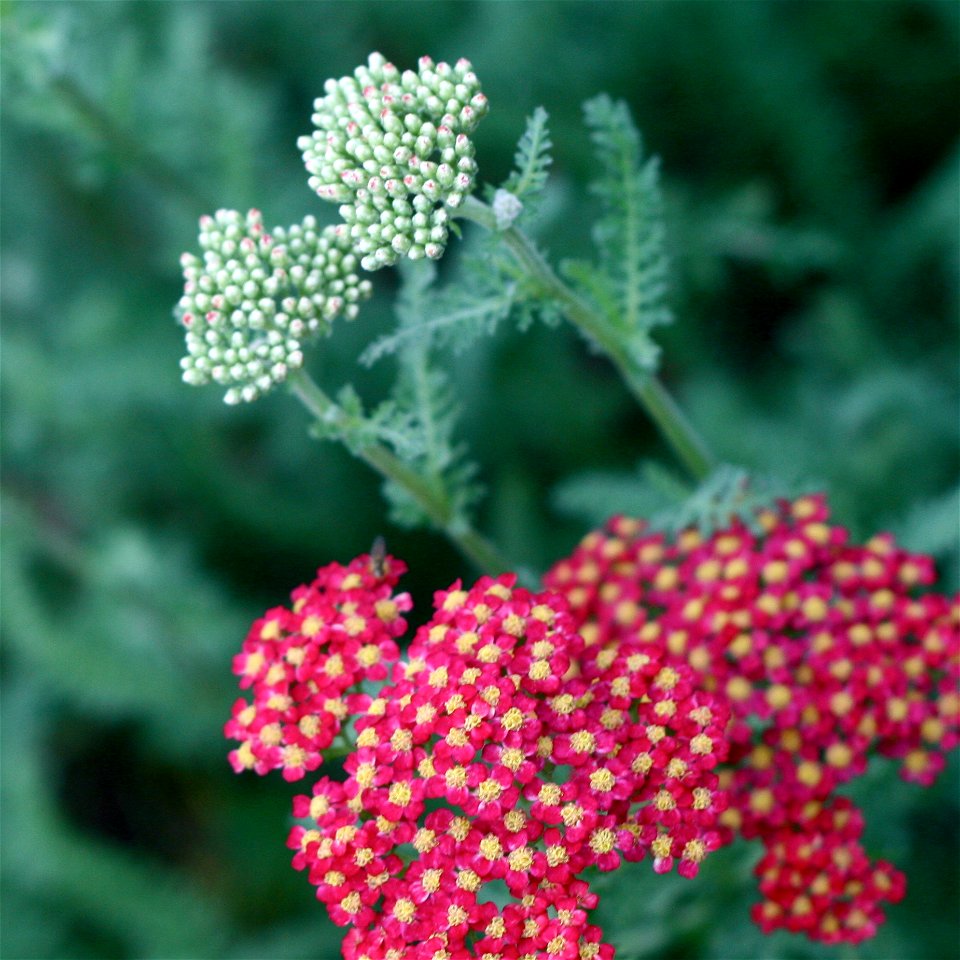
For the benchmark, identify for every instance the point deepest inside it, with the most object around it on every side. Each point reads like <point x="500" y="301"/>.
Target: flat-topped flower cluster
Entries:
<point x="660" y="697"/>
<point x="529" y="736"/>
<point x="501" y="761"/>
<point x="824" y="651"/>
<point x="254" y="299"/>
<point x="393" y="149"/>
<point x="305" y="666"/>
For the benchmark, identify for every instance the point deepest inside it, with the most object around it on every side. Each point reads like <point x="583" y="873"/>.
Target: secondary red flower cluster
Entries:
<point x="305" y="664"/>
<point x="824" y="652"/>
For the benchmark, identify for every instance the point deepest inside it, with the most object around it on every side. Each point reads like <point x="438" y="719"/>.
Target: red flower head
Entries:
<point x="501" y="752"/>
<point x="304" y="665"/>
<point x="823" y="652"/>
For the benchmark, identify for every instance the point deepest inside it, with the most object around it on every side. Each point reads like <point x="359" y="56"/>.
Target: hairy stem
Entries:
<point x="675" y="428"/>
<point x="435" y="504"/>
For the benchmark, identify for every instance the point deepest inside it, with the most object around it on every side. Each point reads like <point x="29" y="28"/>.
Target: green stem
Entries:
<point x="676" y="429"/>
<point x="434" y="503"/>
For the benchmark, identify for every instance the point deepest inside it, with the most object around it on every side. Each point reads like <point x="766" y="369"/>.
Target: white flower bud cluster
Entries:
<point x="393" y="149"/>
<point x="255" y="297"/>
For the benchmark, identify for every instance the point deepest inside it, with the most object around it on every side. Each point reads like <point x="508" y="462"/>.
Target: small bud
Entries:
<point x="401" y="243"/>
<point x="506" y="208"/>
<point x="445" y="174"/>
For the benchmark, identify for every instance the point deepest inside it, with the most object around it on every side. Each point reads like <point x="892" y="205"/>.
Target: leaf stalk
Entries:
<point x="434" y="503"/>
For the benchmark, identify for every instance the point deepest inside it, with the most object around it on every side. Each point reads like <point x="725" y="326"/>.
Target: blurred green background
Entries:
<point x="811" y="172"/>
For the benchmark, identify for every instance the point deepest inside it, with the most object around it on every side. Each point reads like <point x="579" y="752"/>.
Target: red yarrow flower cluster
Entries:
<point x="502" y="753"/>
<point x="824" y="652"/>
<point x="816" y="878"/>
<point x="304" y="665"/>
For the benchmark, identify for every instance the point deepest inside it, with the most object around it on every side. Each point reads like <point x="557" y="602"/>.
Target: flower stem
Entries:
<point x="660" y="405"/>
<point x="434" y="503"/>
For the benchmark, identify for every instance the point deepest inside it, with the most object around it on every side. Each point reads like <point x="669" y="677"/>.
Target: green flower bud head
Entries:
<point x="255" y="298"/>
<point x="394" y="150"/>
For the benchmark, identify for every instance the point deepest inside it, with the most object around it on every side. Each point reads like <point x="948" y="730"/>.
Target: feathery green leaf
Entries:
<point x="425" y="401"/>
<point x="457" y="317"/>
<point x="423" y="408"/>
<point x="532" y="159"/>
<point x="629" y="282"/>
<point x="655" y="494"/>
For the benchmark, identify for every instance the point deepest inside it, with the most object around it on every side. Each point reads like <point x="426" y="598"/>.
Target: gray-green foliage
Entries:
<point x="531" y="164"/>
<point x="810" y="174"/>
<point x="666" y="502"/>
<point x="418" y="421"/>
<point x="350" y="423"/>
<point x="125" y="632"/>
<point x="452" y="317"/>
<point x="424" y="391"/>
<point x="628" y="280"/>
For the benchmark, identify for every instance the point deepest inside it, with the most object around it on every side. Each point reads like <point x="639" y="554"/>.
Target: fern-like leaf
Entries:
<point x="457" y="318"/>
<point x="418" y="422"/>
<point x="596" y="495"/>
<point x="629" y="283"/>
<point x="450" y="318"/>
<point x="424" y="396"/>
<point x="667" y="503"/>
<point x="532" y="159"/>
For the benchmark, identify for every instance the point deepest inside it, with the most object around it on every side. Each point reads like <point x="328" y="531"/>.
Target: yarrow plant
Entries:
<point x="718" y="671"/>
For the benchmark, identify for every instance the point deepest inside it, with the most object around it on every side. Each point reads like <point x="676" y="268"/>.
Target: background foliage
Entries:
<point x="810" y="160"/>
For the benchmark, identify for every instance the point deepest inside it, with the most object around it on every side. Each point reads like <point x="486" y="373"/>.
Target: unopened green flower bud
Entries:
<point x="254" y="298"/>
<point x="506" y="208"/>
<point x="385" y="138"/>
